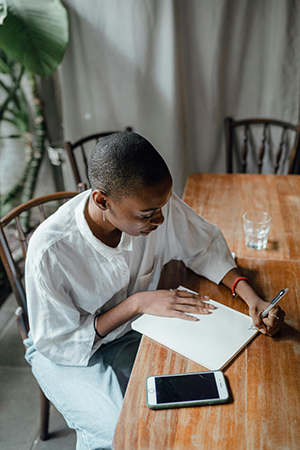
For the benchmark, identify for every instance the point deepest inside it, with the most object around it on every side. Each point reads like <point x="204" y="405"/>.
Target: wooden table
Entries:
<point x="264" y="381"/>
<point x="224" y="198"/>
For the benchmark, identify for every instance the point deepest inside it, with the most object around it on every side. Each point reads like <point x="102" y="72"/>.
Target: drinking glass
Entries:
<point x="256" y="227"/>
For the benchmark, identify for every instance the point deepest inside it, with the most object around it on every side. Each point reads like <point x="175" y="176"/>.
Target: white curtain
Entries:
<point x="173" y="69"/>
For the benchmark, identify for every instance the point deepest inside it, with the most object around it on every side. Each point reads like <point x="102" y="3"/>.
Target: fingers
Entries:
<point x="173" y="303"/>
<point x="274" y="321"/>
<point x="189" y="297"/>
<point x="184" y="316"/>
<point x="259" y="325"/>
<point x="271" y="324"/>
<point x="189" y="302"/>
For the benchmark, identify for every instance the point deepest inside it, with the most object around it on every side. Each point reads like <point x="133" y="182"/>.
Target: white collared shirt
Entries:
<point x="71" y="275"/>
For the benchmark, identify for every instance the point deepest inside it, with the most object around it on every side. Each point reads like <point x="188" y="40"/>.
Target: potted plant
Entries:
<point x="33" y="38"/>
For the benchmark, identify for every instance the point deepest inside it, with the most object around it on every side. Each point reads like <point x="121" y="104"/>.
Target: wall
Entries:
<point x="174" y="69"/>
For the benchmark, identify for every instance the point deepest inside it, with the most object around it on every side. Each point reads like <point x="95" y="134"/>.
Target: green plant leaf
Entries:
<point x="4" y="68"/>
<point x="35" y="33"/>
<point x="18" y="123"/>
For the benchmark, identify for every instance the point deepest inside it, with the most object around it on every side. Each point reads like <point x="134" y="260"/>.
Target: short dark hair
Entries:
<point x="122" y="163"/>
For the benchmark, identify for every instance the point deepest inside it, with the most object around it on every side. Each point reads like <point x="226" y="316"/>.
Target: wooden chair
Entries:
<point x="13" y="258"/>
<point x="80" y="158"/>
<point x="262" y="146"/>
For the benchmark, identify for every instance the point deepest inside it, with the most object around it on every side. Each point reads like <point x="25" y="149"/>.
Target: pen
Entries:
<point x="273" y="302"/>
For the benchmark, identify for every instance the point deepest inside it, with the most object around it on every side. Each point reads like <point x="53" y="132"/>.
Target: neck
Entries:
<point x="102" y="230"/>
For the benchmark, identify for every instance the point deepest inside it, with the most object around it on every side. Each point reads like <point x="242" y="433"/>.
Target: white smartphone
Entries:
<point x="186" y="389"/>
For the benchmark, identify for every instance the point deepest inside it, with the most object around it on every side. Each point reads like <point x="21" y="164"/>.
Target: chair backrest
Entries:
<point x="14" y="237"/>
<point x="79" y="152"/>
<point x="261" y="146"/>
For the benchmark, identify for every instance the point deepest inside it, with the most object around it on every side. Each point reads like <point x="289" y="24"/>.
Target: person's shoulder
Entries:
<point x="174" y="200"/>
<point x="176" y="205"/>
<point x="57" y="227"/>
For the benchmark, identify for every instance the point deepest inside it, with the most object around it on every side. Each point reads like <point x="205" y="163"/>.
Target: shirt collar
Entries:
<point x="126" y="242"/>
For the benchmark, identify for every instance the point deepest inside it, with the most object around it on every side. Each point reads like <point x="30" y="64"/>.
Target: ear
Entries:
<point x="100" y="198"/>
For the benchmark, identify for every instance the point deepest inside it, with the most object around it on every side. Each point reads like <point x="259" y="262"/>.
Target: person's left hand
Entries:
<point x="272" y="323"/>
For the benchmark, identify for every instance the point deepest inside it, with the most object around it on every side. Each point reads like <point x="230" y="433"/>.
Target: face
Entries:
<point x="142" y="214"/>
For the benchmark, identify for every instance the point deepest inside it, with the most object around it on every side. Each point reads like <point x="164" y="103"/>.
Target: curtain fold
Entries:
<point x="174" y="69"/>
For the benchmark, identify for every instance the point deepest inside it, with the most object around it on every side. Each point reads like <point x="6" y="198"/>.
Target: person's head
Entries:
<point x="122" y="164"/>
<point x="130" y="181"/>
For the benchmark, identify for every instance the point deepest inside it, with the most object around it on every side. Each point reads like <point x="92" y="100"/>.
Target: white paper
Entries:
<point x="212" y="341"/>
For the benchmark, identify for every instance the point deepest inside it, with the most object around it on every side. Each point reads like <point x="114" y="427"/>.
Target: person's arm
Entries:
<point x="175" y="303"/>
<point x="271" y="324"/>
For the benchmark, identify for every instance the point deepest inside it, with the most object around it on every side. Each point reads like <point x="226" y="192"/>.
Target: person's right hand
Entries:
<point x="173" y="303"/>
<point x="272" y="323"/>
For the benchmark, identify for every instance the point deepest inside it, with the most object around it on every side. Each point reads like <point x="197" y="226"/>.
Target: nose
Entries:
<point x="158" y="218"/>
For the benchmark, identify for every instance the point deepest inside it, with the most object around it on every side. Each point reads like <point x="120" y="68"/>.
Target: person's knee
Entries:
<point x="89" y="398"/>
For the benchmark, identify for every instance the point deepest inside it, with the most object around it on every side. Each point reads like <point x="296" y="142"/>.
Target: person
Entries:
<point x="93" y="267"/>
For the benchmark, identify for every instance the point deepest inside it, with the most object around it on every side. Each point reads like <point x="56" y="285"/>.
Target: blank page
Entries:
<point x="212" y="341"/>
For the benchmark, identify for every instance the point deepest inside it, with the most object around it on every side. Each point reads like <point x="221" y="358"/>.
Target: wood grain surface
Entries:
<point x="223" y="199"/>
<point x="264" y="379"/>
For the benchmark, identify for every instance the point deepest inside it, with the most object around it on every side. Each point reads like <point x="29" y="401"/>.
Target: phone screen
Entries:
<point x="171" y="389"/>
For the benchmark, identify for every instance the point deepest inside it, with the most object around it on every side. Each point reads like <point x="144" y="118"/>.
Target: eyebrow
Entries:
<point x="149" y="209"/>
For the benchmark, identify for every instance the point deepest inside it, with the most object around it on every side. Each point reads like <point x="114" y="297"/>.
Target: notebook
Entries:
<point x="213" y="341"/>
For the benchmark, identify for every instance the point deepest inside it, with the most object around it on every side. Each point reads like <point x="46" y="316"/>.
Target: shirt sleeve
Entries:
<point x="197" y="242"/>
<point x="61" y="332"/>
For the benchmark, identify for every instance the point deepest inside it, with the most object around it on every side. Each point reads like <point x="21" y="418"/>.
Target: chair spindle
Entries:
<point x="282" y="144"/>
<point x="84" y="160"/>
<point x="245" y="152"/>
<point x="22" y="237"/>
<point x="262" y="148"/>
<point x="288" y="149"/>
<point x="42" y="213"/>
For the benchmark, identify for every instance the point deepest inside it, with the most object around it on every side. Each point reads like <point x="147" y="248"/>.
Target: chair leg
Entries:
<point x="45" y="405"/>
